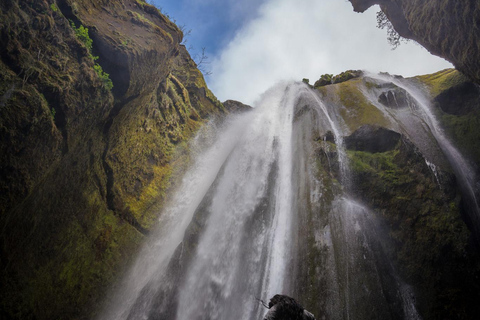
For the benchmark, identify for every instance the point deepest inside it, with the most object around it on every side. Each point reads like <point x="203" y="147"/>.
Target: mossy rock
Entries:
<point x="433" y="248"/>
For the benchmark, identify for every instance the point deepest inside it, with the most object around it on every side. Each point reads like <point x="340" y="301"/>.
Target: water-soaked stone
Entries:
<point x="372" y="139"/>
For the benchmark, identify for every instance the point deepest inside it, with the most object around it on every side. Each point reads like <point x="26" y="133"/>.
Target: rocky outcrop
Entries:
<point x="327" y="79"/>
<point x="409" y="186"/>
<point x="236" y="106"/>
<point x="85" y="168"/>
<point x="283" y="307"/>
<point x="430" y="241"/>
<point x="456" y="99"/>
<point x="372" y="139"/>
<point x="396" y="98"/>
<point x="446" y="28"/>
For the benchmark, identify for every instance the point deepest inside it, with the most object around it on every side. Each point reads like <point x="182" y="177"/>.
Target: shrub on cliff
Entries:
<point x="82" y="35"/>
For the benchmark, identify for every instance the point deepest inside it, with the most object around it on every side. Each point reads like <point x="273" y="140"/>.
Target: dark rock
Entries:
<point x="325" y="79"/>
<point x="396" y="99"/>
<point x="372" y="139"/>
<point x="347" y="75"/>
<point x="329" y="137"/>
<point x="285" y="308"/>
<point x="236" y="106"/>
<point x="459" y="100"/>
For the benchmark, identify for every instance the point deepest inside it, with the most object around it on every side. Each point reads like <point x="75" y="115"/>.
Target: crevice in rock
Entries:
<point x="112" y="202"/>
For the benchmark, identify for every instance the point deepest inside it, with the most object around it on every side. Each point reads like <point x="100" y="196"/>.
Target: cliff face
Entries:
<point x="84" y="167"/>
<point x="446" y="28"/>
<point x="410" y="187"/>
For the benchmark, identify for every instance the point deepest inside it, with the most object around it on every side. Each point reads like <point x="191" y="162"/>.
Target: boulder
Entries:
<point x="396" y="98"/>
<point x="283" y="307"/>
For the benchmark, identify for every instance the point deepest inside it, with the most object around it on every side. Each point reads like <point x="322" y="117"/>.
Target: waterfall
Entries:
<point x="463" y="170"/>
<point x="257" y="215"/>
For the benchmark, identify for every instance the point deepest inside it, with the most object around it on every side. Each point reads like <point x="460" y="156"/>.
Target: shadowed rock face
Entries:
<point x="285" y="308"/>
<point x="459" y="100"/>
<point x="85" y="169"/>
<point x="372" y="139"/>
<point x="446" y="28"/>
<point x="396" y="98"/>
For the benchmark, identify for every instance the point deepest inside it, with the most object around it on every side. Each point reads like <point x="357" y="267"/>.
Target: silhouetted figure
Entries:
<point x="285" y="308"/>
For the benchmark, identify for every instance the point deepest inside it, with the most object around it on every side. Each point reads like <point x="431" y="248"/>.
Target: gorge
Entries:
<point x="316" y="194"/>
<point x="357" y="195"/>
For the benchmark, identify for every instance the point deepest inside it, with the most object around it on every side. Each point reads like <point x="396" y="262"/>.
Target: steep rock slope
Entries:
<point x="447" y="28"/>
<point x="84" y="167"/>
<point x="408" y="184"/>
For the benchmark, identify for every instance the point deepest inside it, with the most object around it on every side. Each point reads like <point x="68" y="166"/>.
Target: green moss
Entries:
<point x="149" y="159"/>
<point x="325" y="79"/>
<point x="64" y="242"/>
<point x="357" y="110"/>
<point x="104" y="77"/>
<point x="442" y="80"/>
<point x="431" y="241"/>
<point x="82" y="35"/>
<point x="140" y="19"/>
<point x="464" y="131"/>
<point x="347" y="75"/>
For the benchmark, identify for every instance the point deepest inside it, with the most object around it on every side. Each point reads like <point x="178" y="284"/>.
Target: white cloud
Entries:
<point x="293" y="39"/>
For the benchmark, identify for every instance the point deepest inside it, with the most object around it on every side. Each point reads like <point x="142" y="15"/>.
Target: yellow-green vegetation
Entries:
<point x="356" y="110"/>
<point x="465" y="132"/>
<point x="140" y="19"/>
<point x="453" y="92"/>
<point x="442" y="80"/>
<point x="54" y="7"/>
<point x="88" y="254"/>
<point x="325" y="79"/>
<point x="82" y="34"/>
<point x="150" y="9"/>
<point x="143" y="177"/>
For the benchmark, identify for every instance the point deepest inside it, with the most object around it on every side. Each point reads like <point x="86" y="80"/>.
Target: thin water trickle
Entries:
<point x="463" y="170"/>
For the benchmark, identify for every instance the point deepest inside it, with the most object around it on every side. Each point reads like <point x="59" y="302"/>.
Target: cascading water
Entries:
<point x="420" y="108"/>
<point x="256" y="215"/>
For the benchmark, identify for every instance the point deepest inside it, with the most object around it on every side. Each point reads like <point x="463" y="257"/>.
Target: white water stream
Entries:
<point x="238" y="226"/>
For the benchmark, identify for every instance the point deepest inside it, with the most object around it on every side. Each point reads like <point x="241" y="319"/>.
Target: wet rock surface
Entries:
<point x="372" y="139"/>
<point x="396" y="98"/>
<point x="283" y="307"/>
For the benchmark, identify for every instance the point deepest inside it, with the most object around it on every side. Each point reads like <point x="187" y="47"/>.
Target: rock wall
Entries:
<point x="423" y="215"/>
<point x="85" y="168"/>
<point x="446" y="28"/>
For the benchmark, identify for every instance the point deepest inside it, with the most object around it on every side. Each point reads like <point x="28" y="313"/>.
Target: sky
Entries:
<point x="253" y="44"/>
